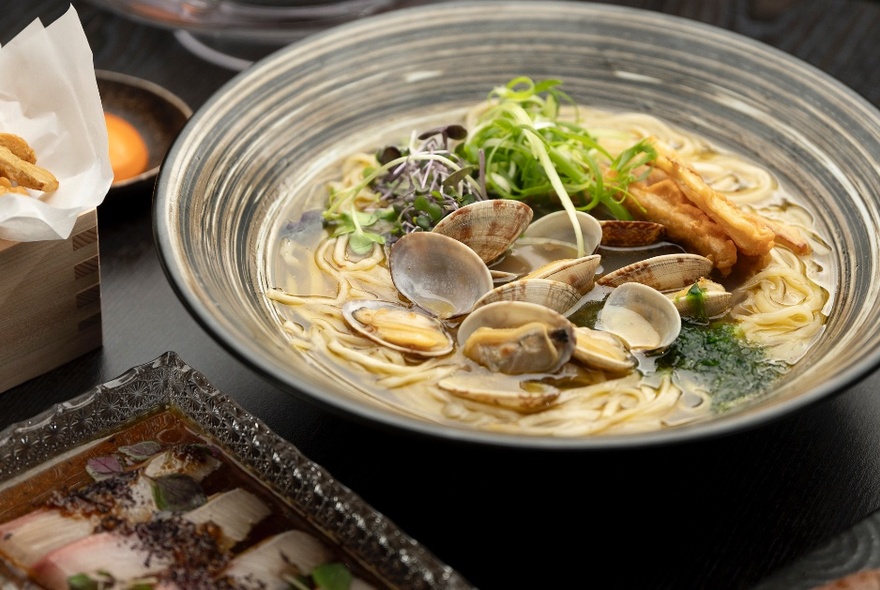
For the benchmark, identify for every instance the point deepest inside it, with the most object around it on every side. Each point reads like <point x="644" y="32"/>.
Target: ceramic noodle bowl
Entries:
<point x="253" y="165"/>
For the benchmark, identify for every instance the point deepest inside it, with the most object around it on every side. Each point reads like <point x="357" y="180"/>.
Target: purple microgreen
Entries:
<point x="177" y="492"/>
<point x="306" y="230"/>
<point x="454" y="131"/>
<point x="103" y="467"/>
<point x="142" y="450"/>
<point x="388" y="154"/>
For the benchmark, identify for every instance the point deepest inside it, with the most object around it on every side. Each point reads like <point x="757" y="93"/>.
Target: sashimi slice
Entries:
<point x="236" y="512"/>
<point x="120" y="557"/>
<point x="126" y="497"/>
<point x="28" y="538"/>
<point x="289" y="553"/>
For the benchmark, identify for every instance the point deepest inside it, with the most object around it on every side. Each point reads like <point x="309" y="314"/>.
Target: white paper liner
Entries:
<point x="49" y="96"/>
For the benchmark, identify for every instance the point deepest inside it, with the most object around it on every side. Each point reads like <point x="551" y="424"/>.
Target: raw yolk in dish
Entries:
<point x="128" y="151"/>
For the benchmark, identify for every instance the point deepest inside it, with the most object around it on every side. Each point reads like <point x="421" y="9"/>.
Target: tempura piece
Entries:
<point x="18" y="146"/>
<point x="748" y="231"/>
<point x="25" y="173"/>
<point x="685" y="224"/>
<point x="787" y="235"/>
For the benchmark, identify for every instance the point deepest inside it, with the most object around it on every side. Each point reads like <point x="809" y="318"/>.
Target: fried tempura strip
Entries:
<point x="18" y="146"/>
<point x="663" y="202"/>
<point x="25" y="173"/>
<point x="786" y="235"/>
<point x="748" y="232"/>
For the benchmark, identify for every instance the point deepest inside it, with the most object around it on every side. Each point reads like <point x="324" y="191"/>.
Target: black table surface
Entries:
<point x="725" y="513"/>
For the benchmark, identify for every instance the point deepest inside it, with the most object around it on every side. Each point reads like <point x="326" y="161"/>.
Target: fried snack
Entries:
<point x="663" y="202"/>
<point x="6" y="186"/>
<point x="18" y="146"/>
<point x="786" y="235"/>
<point x="748" y="231"/>
<point x="24" y="173"/>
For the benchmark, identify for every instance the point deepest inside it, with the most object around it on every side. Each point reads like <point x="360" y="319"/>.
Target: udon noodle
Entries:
<point x="780" y="306"/>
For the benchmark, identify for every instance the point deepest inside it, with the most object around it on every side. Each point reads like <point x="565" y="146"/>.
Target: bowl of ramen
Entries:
<point x="537" y="224"/>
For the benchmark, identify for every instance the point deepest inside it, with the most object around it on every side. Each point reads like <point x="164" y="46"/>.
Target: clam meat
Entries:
<point x="516" y="337"/>
<point x="399" y="328"/>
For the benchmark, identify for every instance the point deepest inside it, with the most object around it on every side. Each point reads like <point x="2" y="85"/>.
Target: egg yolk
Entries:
<point x="128" y="150"/>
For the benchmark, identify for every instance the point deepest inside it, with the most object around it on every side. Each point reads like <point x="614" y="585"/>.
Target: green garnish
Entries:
<point x="718" y="358"/>
<point x="326" y="576"/>
<point x="520" y="149"/>
<point x="530" y="153"/>
<point x="413" y="188"/>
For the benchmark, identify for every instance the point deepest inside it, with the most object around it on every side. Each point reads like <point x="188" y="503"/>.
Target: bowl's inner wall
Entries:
<point x="276" y="129"/>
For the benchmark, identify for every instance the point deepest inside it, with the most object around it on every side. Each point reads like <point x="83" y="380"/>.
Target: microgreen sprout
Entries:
<point x="411" y="190"/>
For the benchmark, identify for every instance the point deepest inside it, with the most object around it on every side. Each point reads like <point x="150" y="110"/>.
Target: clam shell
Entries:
<point x="556" y="295"/>
<point x="503" y="315"/>
<point x="713" y="301"/>
<point x="580" y="273"/>
<point x="643" y="317"/>
<point x="663" y="273"/>
<point x="438" y="273"/>
<point x="488" y="227"/>
<point x="558" y="226"/>
<point x="529" y="254"/>
<point x="629" y="234"/>
<point x="501" y="390"/>
<point x="406" y="330"/>
<point x="602" y="350"/>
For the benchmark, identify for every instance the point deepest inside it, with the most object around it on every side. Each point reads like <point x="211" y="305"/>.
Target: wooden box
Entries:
<point x="50" y="302"/>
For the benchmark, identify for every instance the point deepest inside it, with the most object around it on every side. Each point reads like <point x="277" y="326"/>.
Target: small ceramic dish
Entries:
<point x="157" y="114"/>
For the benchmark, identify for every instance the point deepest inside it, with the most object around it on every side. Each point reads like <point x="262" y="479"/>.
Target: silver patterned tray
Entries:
<point x="168" y="382"/>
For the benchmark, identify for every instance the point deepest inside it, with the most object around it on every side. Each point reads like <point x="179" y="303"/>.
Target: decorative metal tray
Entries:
<point x="168" y="382"/>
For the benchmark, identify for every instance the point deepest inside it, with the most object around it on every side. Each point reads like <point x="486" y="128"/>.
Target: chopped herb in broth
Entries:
<point x="718" y="359"/>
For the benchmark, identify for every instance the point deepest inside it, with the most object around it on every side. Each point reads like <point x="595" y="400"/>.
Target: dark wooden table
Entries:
<point x="726" y="513"/>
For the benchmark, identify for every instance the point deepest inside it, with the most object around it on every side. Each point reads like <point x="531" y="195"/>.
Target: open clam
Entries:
<point x="627" y="234"/>
<point x="560" y="226"/>
<point x="703" y="299"/>
<point x="558" y="296"/>
<point x="399" y="328"/>
<point x="580" y="273"/>
<point x="488" y="227"/>
<point x="526" y="255"/>
<point x="602" y="350"/>
<point x="642" y="316"/>
<point x="505" y="391"/>
<point x="439" y="274"/>
<point x="666" y="272"/>
<point x="516" y="337"/>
